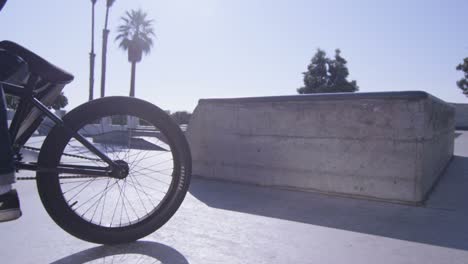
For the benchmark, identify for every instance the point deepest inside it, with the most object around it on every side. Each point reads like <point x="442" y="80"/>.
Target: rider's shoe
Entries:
<point x="9" y="206"/>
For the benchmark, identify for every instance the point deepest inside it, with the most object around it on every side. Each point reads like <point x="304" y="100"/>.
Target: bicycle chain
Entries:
<point x="61" y="177"/>
<point x="65" y="154"/>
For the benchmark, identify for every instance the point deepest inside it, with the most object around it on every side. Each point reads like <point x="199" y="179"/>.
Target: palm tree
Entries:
<point x="135" y="36"/>
<point x="105" y="34"/>
<point x="91" y="54"/>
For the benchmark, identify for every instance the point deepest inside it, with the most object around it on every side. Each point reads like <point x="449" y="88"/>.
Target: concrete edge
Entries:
<point x="330" y="194"/>
<point x="436" y="182"/>
<point x="407" y="95"/>
<point x="436" y="99"/>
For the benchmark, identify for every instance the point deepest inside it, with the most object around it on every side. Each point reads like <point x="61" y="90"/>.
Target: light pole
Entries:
<point x="91" y="54"/>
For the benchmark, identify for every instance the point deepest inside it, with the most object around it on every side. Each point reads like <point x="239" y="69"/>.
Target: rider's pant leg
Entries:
<point x="7" y="167"/>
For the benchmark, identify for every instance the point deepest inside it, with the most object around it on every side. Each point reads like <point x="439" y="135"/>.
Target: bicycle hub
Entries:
<point x="121" y="171"/>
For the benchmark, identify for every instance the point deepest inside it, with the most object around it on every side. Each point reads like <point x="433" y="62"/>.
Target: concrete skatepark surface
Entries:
<point x="222" y="222"/>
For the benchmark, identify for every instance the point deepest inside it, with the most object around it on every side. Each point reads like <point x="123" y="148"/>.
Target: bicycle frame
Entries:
<point x="27" y="102"/>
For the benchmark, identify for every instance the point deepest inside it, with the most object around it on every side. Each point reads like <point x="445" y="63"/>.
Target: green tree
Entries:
<point x="181" y="117"/>
<point x="463" y="83"/>
<point x="11" y="101"/>
<point x="60" y="102"/>
<point x="135" y="36"/>
<point x="316" y="77"/>
<point x="325" y="75"/>
<point x="339" y="74"/>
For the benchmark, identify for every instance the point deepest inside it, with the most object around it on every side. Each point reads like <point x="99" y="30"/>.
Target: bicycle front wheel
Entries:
<point x="107" y="210"/>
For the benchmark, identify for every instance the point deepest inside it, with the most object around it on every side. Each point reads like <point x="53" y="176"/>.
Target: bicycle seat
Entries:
<point x="38" y="65"/>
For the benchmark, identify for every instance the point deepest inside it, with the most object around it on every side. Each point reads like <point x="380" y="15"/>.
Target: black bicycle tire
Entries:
<point x="49" y="187"/>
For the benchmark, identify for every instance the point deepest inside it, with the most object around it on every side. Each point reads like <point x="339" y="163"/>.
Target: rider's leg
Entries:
<point x="9" y="203"/>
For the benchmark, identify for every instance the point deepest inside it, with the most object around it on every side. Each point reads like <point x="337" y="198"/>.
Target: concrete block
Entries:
<point x="461" y="116"/>
<point x="390" y="146"/>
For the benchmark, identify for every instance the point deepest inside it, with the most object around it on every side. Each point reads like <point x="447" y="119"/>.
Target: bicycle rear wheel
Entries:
<point x="107" y="210"/>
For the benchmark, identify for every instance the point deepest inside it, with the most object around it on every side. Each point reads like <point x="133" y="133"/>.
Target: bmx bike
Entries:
<point x="112" y="170"/>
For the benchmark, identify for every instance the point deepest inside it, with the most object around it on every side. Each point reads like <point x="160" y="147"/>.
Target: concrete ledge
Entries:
<point x="390" y="146"/>
<point x="327" y="96"/>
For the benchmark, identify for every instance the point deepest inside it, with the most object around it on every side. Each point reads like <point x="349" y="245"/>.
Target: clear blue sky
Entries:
<point x="222" y="48"/>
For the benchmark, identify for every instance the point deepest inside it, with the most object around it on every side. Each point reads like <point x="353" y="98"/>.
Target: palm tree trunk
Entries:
<point x="91" y="55"/>
<point x="105" y="34"/>
<point x="132" y="80"/>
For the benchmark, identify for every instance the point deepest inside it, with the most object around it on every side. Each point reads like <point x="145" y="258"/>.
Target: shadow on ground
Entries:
<point x="138" y="252"/>
<point x="442" y="221"/>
